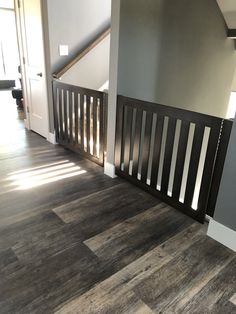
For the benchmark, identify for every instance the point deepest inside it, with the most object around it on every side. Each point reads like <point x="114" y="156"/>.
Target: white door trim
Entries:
<point x="222" y="234"/>
<point x="21" y="37"/>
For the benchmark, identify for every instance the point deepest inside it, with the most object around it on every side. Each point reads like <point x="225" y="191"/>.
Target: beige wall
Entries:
<point x="92" y="71"/>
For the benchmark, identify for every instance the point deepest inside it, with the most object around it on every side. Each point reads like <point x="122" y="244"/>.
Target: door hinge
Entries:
<point x="28" y="109"/>
<point x="23" y="59"/>
<point x="19" y="4"/>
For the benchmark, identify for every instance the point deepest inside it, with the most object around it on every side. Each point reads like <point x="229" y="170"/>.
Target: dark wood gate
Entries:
<point x="175" y="154"/>
<point x="80" y="120"/>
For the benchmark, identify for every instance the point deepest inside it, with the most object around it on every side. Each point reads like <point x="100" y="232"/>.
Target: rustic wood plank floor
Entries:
<point x="75" y="241"/>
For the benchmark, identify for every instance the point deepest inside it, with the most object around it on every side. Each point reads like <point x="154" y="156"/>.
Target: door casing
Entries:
<point x="23" y="52"/>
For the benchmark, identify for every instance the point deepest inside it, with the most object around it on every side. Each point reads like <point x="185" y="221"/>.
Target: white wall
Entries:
<point x="92" y="71"/>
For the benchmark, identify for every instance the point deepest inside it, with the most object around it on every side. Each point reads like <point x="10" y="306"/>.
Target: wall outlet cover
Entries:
<point x="63" y="50"/>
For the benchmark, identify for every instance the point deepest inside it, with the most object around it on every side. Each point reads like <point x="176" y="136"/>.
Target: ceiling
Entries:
<point x="228" y="8"/>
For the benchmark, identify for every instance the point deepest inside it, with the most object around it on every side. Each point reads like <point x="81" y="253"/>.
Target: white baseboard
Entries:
<point x="109" y="170"/>
<point x="222" y="234"/>
<point x="52" y="138"/>
<point x="26" y="123"/>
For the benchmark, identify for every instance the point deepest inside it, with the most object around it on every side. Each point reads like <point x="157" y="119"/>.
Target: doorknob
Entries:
<point x="40" y="74"/>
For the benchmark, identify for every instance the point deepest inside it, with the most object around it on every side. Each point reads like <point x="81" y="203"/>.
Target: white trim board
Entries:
<point x="109" y="170"/>
<point x="52" y="138"/>
<point x="222" y="234"/>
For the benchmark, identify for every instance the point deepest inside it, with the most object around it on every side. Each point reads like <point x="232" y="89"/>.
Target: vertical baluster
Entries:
<point x="65" y="116"/>
<point x="82" y="126"/>
<point x="61" y="136"/>
<point x="101" y="130"/>
<point x="70" y="105"/>
<point x="179" y="168"/>
<point x="76" y="122"/>
<point x="137" y="140"/>
<point x="168" y="154"/>
<point x="146" y="146"/>
<point x="56" y="109"/>
<point x="127" y="138"/>
<point x="94" y="126"/>
<point x="88" y="104"/>
<point x="119" y="128"/>
<point x="208" y="171"/>
<point x="194" y="162"/>
<point x="157" y="150"/>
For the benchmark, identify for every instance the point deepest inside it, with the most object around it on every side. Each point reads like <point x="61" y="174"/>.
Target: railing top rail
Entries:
<point x="178" y="113"/>
<point x="58" y="74"/>
<point x="77" y="89"/>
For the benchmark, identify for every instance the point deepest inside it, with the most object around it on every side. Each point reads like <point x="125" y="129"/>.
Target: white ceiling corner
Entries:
<point x="228" y="8"/>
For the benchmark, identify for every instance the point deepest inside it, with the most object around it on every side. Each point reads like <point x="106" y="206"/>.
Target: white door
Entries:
<point x="33" y="62"/>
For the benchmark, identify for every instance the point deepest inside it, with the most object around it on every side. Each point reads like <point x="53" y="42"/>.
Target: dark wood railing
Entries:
<point x="80" y="119"/>
<point x="175" y="154"/>
<point x="219" y="165"/>
<point x="58" y="74"/>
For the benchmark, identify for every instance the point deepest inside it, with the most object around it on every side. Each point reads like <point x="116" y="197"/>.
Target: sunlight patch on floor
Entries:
<point x="33" y="177"/>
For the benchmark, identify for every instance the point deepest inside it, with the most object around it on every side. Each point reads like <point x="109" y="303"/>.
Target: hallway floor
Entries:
<point x="73" y="240"/>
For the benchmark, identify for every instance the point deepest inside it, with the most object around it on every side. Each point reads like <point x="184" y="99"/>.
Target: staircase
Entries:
<point x="89" y="68"/>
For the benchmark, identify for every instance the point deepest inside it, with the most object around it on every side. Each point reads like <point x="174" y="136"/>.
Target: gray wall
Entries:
<point x="75" y="23"/>
<point x="225" y="212"/>
<point x="113" y="78"/>
<point x="176" y="53"/>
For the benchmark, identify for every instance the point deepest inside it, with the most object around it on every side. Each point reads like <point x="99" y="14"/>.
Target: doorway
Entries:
<point x="9" y="56"/>
<point x="11" y="103"/>
<point x="22" y="63"/>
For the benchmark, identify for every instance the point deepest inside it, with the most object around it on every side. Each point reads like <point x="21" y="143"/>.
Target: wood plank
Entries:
<point x="121" y="301"/>
<point x="215" y="299"/>
<point x="137" y="235"/>
<point x="183" y="276"/>
<point x="106" y="296"/>
<point x="108" y="206"/>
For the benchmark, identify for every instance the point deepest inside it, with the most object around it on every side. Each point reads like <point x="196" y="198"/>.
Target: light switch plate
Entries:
<point x="63" y="50"/>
